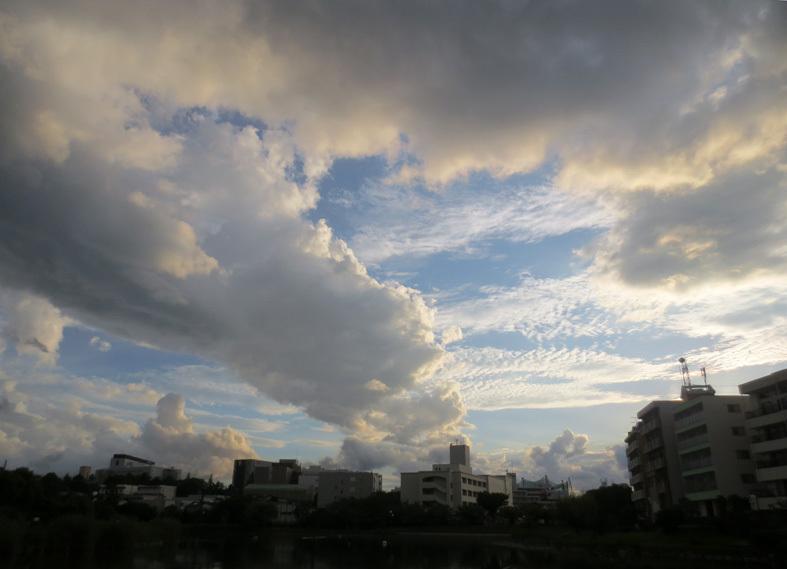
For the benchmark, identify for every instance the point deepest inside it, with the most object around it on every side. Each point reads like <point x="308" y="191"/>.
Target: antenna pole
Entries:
<point x="684" y="371"/>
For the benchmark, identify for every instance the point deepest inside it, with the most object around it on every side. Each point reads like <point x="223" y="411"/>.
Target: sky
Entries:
<point x="353" y="233"/>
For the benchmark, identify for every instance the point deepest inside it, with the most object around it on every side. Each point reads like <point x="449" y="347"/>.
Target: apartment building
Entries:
<point x="453" y="484"/>
<point x="694" y="448"/>
<point x="651" y="451"/>
<point x="766" y="423"/>
<point x="713" y="449"/>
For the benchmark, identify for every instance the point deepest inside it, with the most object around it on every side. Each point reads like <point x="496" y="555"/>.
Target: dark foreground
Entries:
<point x="128" y="545"/>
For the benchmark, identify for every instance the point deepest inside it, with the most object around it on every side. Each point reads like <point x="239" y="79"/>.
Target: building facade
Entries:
<point x="766" y="424"/>
<point x="453" y="484"/>
<point x="544" y="491"/>
<point x="713" y="449"/>
<point x="125" y="464"/>
<point x="651" y="451"/>
<point x="247" y="471"/>
<point x="335" y="485"/>
<point x="693" y="448"/>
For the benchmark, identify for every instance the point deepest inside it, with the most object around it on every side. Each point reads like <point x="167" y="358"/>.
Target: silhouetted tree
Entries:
<point x="491" y="501"/>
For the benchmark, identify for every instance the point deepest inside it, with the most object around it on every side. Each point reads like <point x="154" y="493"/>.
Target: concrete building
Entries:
<point x="337" y="485"/>
<point x="253" y="471"/>
<point x="543" y="491"/>
<point x="693" y="448"/>
<point x="713" y="449"/>
<point x="125" y="464"/>
<point x="453" y="484"/>
<point x="310" y="478"/>
<point x="767" y="426"/>
<point x="652" y="456"/>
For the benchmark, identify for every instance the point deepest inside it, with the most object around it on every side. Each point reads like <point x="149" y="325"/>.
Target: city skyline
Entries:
<point x="352" y="234"/>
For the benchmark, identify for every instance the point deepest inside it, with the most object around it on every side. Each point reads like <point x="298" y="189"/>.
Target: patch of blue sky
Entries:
<point x="651" y="345"/>
<point x="498" y="262"/>
<point x="81" y="358"/>
<point x="341" y="204"/>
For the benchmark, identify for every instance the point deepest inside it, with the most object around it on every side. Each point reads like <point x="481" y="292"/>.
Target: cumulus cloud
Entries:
<point x="568" y="456"/>
<point x="34" y="325"/>
<point x="171" y="438"/>
<point x="62" y="438"/>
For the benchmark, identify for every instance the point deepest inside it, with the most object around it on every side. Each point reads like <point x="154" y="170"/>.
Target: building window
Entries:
<point x="738" y="431"/>
<point x="734" y="408"/>
<point x="742" y="454"/>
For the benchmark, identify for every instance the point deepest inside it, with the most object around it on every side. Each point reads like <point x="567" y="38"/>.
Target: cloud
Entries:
<point x="99" y="344"/>
<point x="62" y="438"/>
<point x="34" y="325"/>
<point x="282" y="302"/>
<point x="464" y="219"/>
<point x="171" y="438"/>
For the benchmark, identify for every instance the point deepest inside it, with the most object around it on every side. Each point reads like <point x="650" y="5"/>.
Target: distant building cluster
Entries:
<point x="706" y="446"/>
<point x="454" y="484"/>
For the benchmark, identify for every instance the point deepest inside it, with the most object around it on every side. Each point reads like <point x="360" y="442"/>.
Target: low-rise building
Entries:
<point x="335" y="485"/>
<point x="453" y="484"/>
<point x="543" y="491"/>
<point x="126" y="464"/>
<point x="253" y="471"/>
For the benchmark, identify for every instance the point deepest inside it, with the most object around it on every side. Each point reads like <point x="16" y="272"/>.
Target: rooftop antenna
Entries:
<point x="704" y="375"/>
<point x="684" y="371"/>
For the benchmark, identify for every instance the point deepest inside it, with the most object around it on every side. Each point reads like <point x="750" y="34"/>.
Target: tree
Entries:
<point x="472" y="514"/>
<point x="491" y="501"/>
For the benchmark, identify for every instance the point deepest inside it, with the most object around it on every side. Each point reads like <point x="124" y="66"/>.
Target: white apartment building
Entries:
<point x="453" y="484"/>
<point x="767" y="427"/>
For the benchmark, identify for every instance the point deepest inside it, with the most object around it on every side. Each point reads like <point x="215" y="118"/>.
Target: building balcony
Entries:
<point x="650" y="425"/>
<point x="638" y="495"/>
<point x="636" y="479"/>
<point x="655" y="464"/>
<point x="692" y="441"/>
<point x="653" y="445"/>
<point x="634" y="462"/>
<point x="768" y="408"/>
<point x="769" y="446"/>
<point x="632" y="447"/>
<point x="696" y="463"/>
<point x="695" y="418"/>
<point x="778" y="416"/>
<point x="773" y="473"/>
